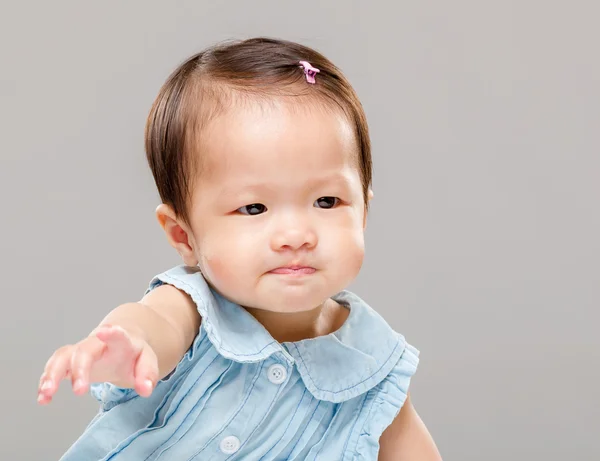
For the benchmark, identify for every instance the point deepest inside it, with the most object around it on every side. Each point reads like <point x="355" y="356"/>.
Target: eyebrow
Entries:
<point x="261" y="187"/>
<point x="332" y="178"/>
<point x="228" y="191"/>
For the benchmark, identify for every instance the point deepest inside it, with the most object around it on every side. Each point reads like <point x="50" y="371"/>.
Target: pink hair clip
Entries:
<point x="309" y="71"/>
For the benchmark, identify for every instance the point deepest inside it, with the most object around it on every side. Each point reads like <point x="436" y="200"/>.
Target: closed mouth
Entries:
<point x="294" y="270"/>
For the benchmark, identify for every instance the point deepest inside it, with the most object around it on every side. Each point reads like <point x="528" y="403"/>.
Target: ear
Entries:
<point x="370" y="196"/>
<point x="178" y="234"/>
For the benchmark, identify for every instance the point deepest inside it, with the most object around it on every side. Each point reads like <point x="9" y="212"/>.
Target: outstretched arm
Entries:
<point x="133" y="347"/>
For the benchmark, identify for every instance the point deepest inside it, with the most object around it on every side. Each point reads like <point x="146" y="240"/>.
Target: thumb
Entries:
<point x="146" y="371"/>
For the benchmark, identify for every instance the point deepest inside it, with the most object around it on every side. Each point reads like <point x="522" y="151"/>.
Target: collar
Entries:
<point x="334" y="367"/>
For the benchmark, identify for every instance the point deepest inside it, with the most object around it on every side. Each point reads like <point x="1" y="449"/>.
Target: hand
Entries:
<point x="109" y="354"/>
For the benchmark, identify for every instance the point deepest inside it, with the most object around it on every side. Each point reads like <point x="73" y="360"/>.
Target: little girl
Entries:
<point x="251" y="349"/>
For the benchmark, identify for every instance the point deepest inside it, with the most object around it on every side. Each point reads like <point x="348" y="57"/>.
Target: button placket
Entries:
<point x="277" y="373"/>
<point x="230" y="445"/>
<point x="250" y="413"/>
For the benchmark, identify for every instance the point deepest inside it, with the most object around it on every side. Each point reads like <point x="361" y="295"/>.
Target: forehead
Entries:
<point x="277" y="140"/>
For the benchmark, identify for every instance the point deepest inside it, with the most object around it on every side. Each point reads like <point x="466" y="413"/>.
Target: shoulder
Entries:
<point x="407" y="438"/>
<point x="176" y="307"/>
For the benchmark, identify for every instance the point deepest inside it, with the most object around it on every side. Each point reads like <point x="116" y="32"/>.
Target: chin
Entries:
<point x="291" y="309"/>
<point x="298" y="301"/>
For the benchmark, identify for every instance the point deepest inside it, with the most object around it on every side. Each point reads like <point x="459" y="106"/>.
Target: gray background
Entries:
<point x="483" y="238"/>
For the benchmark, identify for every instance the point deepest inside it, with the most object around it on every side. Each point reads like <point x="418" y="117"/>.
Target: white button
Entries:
<point x="230" y="445"/>
<point x="277" y="373"/>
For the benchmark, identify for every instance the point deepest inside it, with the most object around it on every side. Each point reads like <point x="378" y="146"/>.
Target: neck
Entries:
<point x="296" y="326"/>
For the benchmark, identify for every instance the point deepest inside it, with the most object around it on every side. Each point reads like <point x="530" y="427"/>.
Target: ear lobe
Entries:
<point x="178" y="235"/>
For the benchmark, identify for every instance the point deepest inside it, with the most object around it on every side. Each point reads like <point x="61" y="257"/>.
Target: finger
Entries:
<point x="146" y="372"/>
<point x="114" y="336"/>
<point x="85" y="354"/>
<point x="56" y="369"/>
<point x="44" y="377"/>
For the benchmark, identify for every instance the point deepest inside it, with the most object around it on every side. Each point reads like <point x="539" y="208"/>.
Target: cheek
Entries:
<point x="226" y="256"/>
<point x="215" y="270"/>
<point x="216" y="261"/>
<point x="354" y="252"/>
<point x="347" y="242"/>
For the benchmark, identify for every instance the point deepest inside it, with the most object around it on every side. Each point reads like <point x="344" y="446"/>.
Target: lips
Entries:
<point x="294" y="270"/>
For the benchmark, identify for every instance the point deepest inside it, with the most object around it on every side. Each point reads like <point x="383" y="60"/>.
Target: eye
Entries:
<point x="252" y="210"/>
<point x="327" y="202"/>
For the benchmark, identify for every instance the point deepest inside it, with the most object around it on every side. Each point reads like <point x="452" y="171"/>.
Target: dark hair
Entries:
<point x="211" y="80"/>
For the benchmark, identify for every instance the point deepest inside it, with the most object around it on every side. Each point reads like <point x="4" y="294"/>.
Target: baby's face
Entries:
<point x="277" y="214"/>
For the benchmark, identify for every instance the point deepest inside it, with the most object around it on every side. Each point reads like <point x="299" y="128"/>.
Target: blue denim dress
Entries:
<point x="239" y="394"/>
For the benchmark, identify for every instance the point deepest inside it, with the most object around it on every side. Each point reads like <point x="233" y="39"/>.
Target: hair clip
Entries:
<point x="309" y="71"/>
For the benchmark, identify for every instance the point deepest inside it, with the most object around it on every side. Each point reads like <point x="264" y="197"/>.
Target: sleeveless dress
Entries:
<point x="238" y="394"/>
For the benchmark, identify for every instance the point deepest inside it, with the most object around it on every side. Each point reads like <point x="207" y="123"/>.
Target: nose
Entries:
<point x="294" y="237"/>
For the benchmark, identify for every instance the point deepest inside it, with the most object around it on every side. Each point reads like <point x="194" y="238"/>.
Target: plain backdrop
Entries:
<point x="482" y="243"/>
